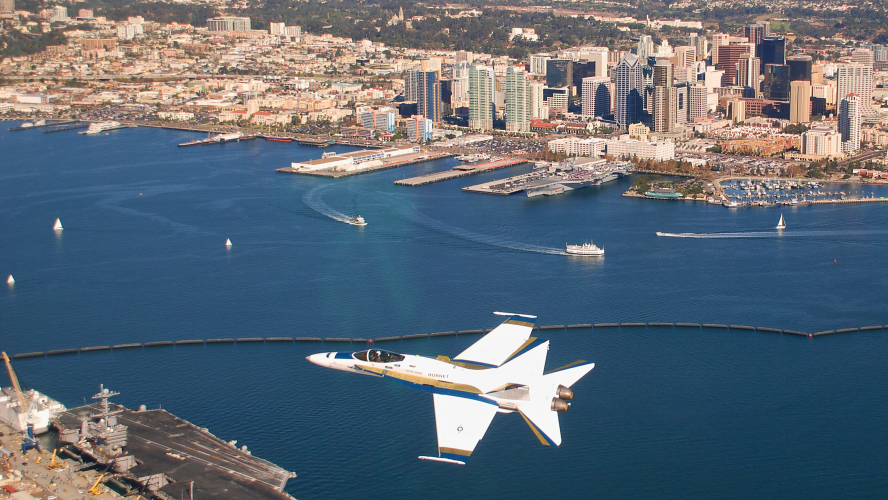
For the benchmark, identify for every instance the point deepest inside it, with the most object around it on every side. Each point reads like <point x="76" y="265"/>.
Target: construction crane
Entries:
<point x="17" y="388"/>
<point x="95" y="487"/>
<point x="53" y="463"/>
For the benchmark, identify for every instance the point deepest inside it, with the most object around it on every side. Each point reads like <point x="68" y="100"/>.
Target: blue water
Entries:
<point x="667" y="413"/>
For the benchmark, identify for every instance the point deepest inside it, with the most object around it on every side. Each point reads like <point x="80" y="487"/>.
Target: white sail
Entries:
<point x="58" y="225"/>
<point x="228" y="243"/>
<point x="10" y="280"/>
<point x="782" y="223"/>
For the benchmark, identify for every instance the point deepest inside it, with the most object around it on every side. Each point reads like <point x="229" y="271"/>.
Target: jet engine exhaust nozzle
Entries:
<point x="564" y="393"/>
<point x="559" y="405"/>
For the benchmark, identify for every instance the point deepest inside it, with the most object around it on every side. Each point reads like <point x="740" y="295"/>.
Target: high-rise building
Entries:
<point x="596" y="96"/>
<point x="686" y="56"/>
<point x="628" y="88"/>
<point x="800" y="67"/>
<point x="663" y="108"/>
<point x="645" y="47"/>
<point x="228" y="23"/>
<point x="821" y="141"/>
<point x="698" y="105"/>
<point x="682" y="103"/>
<point x="419" y="128"/>
<point x="424" y="87"/>
<point x="702" y="47"/>
<point x="728" y="55"/>
<point x="755" y="33"/>
<point x="538" y="64"/>
<point x="776" y="82"/>
<point x="849" y="123"/>
<point x="856" y="78"/>
<point x="559" y="73"/>
<point x="59" y="14"/>
<point x="517" y="101"/>
<point x="537" y="103"/>
<point x="863" y="56"/>
<point x="7" y="5"/>
<point x="482" y="85"/>
<point x="748" y="72"/>
<point x="277" y="29"/>
<point x="581" y="70"/>
<point x="718" y="40"/>
<point x="772" y="50"/>
<point x="800" y="101"/>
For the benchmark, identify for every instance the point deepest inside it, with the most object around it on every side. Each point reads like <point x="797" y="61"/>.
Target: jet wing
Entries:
<point x="461" y="424"/>
<point x="502" y="343"/>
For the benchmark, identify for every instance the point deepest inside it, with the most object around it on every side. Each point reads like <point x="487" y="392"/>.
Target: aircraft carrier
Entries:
<point x="574" y="177"/>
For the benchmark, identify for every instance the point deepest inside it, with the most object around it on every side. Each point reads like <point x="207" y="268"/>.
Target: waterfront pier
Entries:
<point x="460" y="171"/>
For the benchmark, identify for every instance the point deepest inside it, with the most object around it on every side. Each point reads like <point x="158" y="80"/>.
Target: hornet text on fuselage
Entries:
<point x="500" y="373"/>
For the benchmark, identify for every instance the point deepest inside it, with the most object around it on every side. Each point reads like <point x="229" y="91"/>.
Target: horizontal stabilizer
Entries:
<point x="568" y="376"/>
<point x="501" y="343"/>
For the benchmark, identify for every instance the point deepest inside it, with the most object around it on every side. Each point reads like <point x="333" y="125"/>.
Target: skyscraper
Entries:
<point x="772" y="50"/>
<point x="686" y="56"/>
<point x="800" y="101"/>
<point x="482" y="84"/>
<point x="559" y="73"/>
<point x="856" y="78"/>
<point x="777" y="82"/>
<point x="754" y="33"/>
<point x="728" y="55"/>
<point x="517" y="101"/>
<point x="664" y="97"/>
<point x="538" y="109"/>
<point x="800" y="67"/>
<point x="596" y="96"/>
<point x="645" y="47"/>
<point x="629" y="102"/>
<point x="748" y="72"/>
<point x="849" y="123"/>
<point x="424" y="87"/>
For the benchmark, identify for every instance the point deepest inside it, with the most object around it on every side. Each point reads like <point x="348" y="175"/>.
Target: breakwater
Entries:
<point x="340" y="340"/>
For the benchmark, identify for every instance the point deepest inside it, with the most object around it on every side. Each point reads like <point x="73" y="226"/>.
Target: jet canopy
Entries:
<point x="378" y="356"/>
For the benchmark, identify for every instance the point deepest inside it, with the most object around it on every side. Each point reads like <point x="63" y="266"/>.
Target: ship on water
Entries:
<point x="216" y="139"/>
<point x="576" y="174"/>
<point x="99" y="127"/>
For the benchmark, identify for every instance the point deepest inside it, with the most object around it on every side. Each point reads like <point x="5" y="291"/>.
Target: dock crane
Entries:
<point x="16" y="387"/>
<point x="27" y="429"/>
<point x="95" y="487"/>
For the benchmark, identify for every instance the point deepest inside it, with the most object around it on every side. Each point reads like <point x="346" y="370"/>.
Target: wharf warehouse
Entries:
<point x="355" y="159"/>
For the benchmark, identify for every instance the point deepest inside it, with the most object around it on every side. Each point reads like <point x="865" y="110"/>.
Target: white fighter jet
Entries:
<point x="501" y="373"/>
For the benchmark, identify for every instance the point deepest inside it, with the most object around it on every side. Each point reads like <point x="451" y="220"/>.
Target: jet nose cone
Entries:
<point x="317" y="359"/>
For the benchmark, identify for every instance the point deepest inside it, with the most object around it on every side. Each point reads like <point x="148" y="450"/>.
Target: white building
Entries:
<point x="856" y="78"/>
<point x="574" y="146"/>
<point x="517" y="101"/>
<point x="538" y="63"/>
<point x="419" y="128"/>
<point x="228" y="24"/>
<point x="354" y="158"/>
<point x="627" y="148"/>
<point x="277" y="29"/>
<point x="596" y="96"/>
<point x="849" y="123"/>
<point x="821" y="142"/>
<point x="538" y="108"/>
<point x="482" y="85"/>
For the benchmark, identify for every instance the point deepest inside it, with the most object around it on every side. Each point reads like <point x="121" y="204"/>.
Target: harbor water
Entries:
<point x="666" y="413"/>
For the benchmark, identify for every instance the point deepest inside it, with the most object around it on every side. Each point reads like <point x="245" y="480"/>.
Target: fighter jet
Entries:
<point x="500" y="373"/>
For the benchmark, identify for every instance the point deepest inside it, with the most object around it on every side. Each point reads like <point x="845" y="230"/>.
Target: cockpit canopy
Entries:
<point x="378" y="356"/>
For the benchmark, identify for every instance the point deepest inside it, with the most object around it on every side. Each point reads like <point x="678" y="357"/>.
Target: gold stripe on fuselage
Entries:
<point x="418" y="379"/>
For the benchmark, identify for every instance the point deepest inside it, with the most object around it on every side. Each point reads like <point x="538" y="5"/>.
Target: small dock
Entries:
<point x="461" y="171"/>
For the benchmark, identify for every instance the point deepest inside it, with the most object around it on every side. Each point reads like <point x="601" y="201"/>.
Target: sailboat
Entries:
<point x="228" y="243"/>
<point x="58" y="225"/>
<point x="782" y="223"/>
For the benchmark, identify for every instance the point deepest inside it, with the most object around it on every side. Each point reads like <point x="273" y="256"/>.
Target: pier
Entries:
<point x="46" y="123"/>
<point x="461" y="171"/>
<point x="501" y="187"/>
<point x="75" y="126"/>
<point x="395" y="162"/>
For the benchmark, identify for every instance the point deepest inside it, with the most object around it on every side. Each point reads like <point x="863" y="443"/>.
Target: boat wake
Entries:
<point x="313" y="200"/>
<point x="483" y="239"/>
<point x="769" y="234"/>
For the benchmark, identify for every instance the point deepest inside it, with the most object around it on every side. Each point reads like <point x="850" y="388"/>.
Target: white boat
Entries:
<point x="782" y="223"/>
<point x="58" y="225"/>
<point x="98" y="128"/>
<point x="585" y="249"/>
<point x="228" y="242"/>
<point x="40" y="412"/>
<point x="357" y="221"/>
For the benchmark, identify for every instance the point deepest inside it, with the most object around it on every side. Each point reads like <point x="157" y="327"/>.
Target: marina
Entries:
<point x="461" y="171"/>
<point x="781" y="192"/>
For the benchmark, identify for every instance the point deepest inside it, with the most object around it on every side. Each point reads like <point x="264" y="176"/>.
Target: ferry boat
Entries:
<point x="278" y="139"/>
<point x="98" y="128"/>
<point x="357" y="221"/>
<point x="585" y="249"/>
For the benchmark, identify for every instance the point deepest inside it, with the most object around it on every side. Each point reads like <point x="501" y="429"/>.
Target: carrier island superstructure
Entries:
<point x="107" y="447"/>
